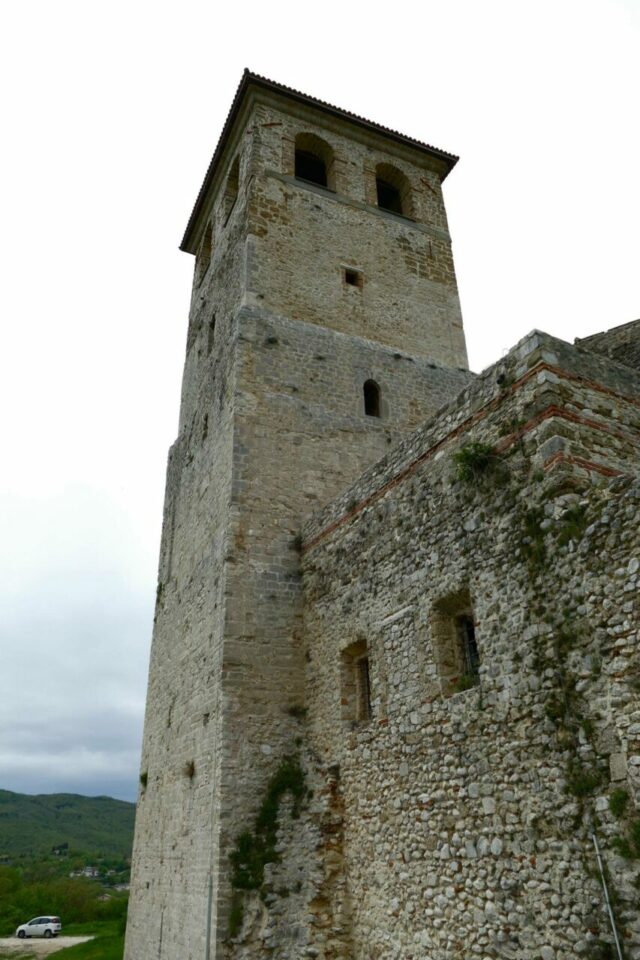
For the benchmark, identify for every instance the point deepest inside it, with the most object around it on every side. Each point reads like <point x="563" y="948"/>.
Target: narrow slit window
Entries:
<point x="363" y="690"/>
<point x="371" y="399"/>
<point x="211" y="333"/>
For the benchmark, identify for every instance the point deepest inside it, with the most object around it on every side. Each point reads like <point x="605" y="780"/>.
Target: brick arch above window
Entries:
<point x="393" y="190"/>
<point x="314" y="161"/>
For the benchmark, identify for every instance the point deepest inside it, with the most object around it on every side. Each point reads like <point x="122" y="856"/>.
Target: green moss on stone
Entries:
<point x="618" y="801"/>
<point x="573" y="524"/>
<point x="236" y="915"/>
<point x="255" y="848"/>
<point x="475" y="460"/>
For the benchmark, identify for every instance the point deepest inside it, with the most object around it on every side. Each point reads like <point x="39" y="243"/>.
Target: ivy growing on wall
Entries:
<point x="254" y="849"/>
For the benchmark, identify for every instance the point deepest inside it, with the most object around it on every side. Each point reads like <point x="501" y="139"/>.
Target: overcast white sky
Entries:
<point x="110" y="114"/>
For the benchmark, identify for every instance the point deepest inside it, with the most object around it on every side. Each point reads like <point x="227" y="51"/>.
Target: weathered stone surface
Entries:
<point x="272" y="426"/>
<point x="621" y="344"/>
<point x="514" y="771"/>
<point x="320" y="570"/>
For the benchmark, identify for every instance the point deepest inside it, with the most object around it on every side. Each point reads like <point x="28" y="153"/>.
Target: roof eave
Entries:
<point x="248" y="79"/>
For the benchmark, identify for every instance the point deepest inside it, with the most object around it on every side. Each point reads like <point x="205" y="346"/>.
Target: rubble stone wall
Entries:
<point x="432" y="813"/>
<point x="621" y="343"/>
<point x="300" y="436"/>
<point x="272" y="426"/>
<point x="469" y="809"/>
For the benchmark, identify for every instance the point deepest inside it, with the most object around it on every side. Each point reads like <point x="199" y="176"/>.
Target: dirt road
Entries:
<point x="38" y="947"/>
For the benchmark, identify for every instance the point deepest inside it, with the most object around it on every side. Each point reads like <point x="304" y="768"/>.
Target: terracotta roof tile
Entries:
<point x="248" y="79"/>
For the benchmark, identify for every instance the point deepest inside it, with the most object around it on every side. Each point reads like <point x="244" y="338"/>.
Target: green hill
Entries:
<point x="33" y="825"/>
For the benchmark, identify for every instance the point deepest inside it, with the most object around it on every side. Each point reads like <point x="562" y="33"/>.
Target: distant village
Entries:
<point x="99" y="873"/>
<point x="116" y="877"/>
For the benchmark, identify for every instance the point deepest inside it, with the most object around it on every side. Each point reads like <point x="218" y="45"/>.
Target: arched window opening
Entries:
<point x="311" y="168"/>
<point x="393" y="190"/>
<point x="314" y="161"/>
<point x="203" y="258"/>
<point x="231" y="188"/>
<point x="388" y="196"/>
<point x="371" y="399"/>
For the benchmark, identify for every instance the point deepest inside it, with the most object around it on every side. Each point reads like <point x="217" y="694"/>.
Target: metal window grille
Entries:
<point x="468" y="645"/>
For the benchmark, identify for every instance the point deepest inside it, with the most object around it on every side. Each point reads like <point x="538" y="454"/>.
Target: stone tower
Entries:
<point x="324" y="325"/>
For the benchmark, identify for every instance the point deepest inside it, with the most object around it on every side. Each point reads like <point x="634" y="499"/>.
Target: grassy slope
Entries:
<point x="108" y="944"/>
<point x="32" y="825"/>
<point x="102" y="948"/>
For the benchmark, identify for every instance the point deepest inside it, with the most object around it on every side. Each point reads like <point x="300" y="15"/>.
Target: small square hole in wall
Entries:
<point x="353" y="278"/>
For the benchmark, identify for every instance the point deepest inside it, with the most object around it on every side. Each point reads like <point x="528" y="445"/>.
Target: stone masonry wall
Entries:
<point x="302" y="237"/>
<point x="272" y="426"/>
<point x="468" y="810"/>
<point x="408" y="295"/>
<point x="175" y="840"/>
<point x="455" y="820"/>
<point x="580" y="410"/>
<point x="300" y="436"/>
<point x="174" y="867"/>
<point x="620" y="343"/>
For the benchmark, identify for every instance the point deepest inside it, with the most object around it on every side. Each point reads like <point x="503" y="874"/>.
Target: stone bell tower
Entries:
<point x="324" y="325"/>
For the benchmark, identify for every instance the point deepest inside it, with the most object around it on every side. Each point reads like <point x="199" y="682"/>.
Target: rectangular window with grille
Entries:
<point x="454" y="643"/>
<point x="468" y="645"/>
<point x="355" y="684"/>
